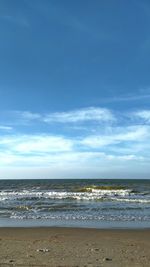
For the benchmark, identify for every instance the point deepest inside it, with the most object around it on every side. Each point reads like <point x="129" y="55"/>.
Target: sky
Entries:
<point x="74" y="89"/>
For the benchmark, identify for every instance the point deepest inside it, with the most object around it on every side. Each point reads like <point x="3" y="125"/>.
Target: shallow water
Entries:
<point x="91" y="203"/>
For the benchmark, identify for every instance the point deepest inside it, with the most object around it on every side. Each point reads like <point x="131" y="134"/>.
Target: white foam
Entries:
<point x="82" y="217"/>
<point x="95" y="194"/>
<point x="133" y="200"/>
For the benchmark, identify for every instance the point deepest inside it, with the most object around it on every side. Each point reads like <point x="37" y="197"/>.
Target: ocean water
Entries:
<point x="78" y="203"/>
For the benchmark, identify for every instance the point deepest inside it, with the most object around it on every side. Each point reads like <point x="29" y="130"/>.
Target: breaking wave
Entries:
<point x="82" y="217"/>
<point x="93" y="194"/>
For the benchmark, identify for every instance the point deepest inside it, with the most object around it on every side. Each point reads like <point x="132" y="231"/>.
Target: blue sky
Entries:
<point x="74" y="89"/>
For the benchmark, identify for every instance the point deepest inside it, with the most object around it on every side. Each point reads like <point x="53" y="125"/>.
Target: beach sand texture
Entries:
<point x="70" y="247"/>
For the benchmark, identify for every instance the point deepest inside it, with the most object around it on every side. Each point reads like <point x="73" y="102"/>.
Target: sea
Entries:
<point x="90" y="203"/>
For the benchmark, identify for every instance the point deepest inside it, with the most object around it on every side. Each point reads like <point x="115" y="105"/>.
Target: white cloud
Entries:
<point x="143" y="114"/>
<point x="81" y="115"/>
<point x="125" y="98"/>
<point x="128" y="157"/>
<point x="90" y="114"/>
<point x="102" y="148"/>
<point x="5" y="128"/>
<point x="27" y="115"/>
<point x="64" y="159"/>
<point x="127" y="134"/>
<point x="48" y="159"/>
<point x="36" y="143"/>
<point x="42" y="144"/>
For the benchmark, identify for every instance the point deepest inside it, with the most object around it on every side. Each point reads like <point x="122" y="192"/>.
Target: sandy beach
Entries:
<point x="70" y="247"/>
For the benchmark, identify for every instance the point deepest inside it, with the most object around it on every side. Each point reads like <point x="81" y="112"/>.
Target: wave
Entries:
<point x="68" y="217"/>
<point x="98" y="188"/>
<point x="133" y="200"/>
<point x="95" y="194"/>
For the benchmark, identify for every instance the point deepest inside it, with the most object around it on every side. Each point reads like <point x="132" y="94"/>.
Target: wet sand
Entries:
<point x="70" y="247"/>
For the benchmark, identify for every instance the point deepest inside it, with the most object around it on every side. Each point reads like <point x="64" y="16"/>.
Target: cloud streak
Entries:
<point x="111" y="144"/>
<point x="143" y="115"/>
<point x="89" y="114"/>
<point x="5" y="128"/>
<point x="27" y="144"/>
<point x="125" y="135"/>
<point x="126" y="98"/>
<point x="81" y="115"/>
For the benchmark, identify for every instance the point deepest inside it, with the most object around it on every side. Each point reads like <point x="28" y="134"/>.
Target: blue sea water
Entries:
<point x="94" y="203"/>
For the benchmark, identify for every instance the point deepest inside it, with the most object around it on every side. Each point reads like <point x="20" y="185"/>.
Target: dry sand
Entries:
<point x="69" y="247"/>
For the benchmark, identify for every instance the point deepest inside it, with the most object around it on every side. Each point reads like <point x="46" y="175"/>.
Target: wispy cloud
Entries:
<point x="27" y="144"/>
<point x="143" y="114"/>
<point x="57" y="149"/>
<point x="125" y="135"/>
<point x="5" y="128"/>
<point x="114" y="144"/>
<point x="125" y="98"/>
<point x="27" y="115"/>
<point x="79" y="119"/>
<point x="81" y="115"/>
<point x="66" y="159"/>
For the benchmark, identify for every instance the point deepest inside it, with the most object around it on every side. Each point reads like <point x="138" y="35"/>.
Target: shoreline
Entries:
<point x="113" y="229"/>
<point x="74" y="247"/>
<point x="40" y="223"/>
